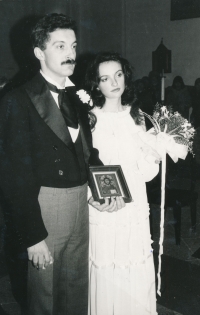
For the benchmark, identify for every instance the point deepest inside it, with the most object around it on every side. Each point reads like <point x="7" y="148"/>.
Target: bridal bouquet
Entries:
<point x="176" y="138"/>
<point x="164" y="120"/>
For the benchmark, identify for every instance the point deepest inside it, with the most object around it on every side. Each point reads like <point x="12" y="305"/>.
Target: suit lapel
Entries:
<point x="82" y="115"/>
<point x="47" y="109"/>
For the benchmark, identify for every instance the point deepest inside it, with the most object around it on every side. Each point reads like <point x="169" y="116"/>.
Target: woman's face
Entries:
<point x="112" y="80"/>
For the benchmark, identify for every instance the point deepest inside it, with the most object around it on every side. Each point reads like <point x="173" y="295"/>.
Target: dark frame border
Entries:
<point x="184" y="9"/>
<point x="115" y="169"/>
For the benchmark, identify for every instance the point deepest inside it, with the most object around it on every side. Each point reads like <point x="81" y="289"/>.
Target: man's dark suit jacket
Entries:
<point x="35" y="152"/>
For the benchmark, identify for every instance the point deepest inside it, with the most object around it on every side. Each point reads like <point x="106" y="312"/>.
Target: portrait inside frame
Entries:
<point x="108" y="181"/>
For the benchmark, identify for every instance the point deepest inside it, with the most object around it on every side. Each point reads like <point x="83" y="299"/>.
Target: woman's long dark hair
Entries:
<point x="92" y="82"/>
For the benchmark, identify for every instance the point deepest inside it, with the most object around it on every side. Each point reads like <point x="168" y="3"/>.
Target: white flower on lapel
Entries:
<point x="84" y="97"/>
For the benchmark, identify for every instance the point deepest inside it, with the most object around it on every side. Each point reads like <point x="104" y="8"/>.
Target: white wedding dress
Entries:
<point x="122" y="276"/>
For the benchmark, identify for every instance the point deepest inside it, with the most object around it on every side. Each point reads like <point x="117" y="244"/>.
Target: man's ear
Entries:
<point x="39" y="54"/>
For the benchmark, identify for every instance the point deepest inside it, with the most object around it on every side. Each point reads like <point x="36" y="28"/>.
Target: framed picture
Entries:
<point x="108" y="181"/>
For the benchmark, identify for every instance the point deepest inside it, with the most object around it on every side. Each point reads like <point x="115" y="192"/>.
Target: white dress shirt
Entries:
<point x="73" y="132"/>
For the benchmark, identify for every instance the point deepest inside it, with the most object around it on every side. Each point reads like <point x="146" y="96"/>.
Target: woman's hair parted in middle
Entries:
<point x="92" y="82"/>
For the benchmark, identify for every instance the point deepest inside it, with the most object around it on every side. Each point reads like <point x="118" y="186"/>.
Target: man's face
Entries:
<point x="60" y="48"/>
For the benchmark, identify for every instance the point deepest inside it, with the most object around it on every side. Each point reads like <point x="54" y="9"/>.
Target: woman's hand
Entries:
<point x="116" y="204"/>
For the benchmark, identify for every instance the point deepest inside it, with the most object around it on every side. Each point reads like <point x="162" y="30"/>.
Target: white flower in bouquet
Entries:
<point x="164" y="112"/>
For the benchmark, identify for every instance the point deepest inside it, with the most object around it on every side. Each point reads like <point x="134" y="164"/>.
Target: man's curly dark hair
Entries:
<point x="49" y="23"/>
<point x="92" y="82"/>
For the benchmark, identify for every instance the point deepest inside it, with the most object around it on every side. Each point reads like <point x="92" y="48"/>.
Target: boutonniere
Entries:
<point x="85" y="97"/>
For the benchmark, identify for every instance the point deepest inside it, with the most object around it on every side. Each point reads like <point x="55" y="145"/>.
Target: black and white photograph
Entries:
<point x="99" y="157"/>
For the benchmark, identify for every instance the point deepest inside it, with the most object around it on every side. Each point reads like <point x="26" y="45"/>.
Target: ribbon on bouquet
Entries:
<point x="162" y="219"/>
<point x="175" y="150"/>
<point x="167" y="145"/>
<point x="174" y="136"/>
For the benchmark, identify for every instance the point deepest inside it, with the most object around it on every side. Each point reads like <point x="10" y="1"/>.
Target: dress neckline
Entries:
<point x="125" y="112"/>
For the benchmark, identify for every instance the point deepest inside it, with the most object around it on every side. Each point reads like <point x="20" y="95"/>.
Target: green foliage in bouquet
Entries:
<point x="164" y="120"/>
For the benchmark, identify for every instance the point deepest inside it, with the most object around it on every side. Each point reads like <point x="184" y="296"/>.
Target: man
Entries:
<point x="43" y="169"/>
<point x="45" y="145"/>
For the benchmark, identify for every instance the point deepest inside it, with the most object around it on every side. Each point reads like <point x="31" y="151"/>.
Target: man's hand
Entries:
<point x="115" y="204"/>
<point x="40" y="255"/>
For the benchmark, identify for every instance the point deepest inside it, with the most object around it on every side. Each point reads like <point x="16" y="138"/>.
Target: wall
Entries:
<point x="13" y="33"/>
<point x="131" y="27"/>
<point x="146" y="23"/>
<point x="100" y="27"/>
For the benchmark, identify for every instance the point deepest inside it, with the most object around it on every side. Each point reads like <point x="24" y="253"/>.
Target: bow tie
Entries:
<point x="66" y="108"/>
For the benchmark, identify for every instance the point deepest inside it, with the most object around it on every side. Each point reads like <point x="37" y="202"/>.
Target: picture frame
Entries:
<point x="108" y="181"/>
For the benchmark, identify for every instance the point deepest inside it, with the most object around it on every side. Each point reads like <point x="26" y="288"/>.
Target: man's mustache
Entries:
<point x="69" y="61"/>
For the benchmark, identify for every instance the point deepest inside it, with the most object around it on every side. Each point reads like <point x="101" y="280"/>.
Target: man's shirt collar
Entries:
<point x="68" y="82"/>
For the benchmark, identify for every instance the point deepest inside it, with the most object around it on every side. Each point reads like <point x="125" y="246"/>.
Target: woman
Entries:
<point x="122" y="278"/>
